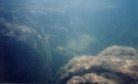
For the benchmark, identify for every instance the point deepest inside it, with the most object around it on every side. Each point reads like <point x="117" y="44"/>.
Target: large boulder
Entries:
<point x="115" y="67"/>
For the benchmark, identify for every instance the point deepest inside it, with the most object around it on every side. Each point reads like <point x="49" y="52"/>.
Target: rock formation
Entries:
<point x="114" y="65"/>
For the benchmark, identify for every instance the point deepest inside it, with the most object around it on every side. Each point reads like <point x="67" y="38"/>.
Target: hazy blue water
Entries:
<point x="39" y="36"/>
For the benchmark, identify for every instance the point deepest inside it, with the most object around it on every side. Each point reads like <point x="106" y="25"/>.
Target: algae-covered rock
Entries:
<point x="90" y="78"/>
<point x="119" y="51"/>
<point x="112" y="66"/>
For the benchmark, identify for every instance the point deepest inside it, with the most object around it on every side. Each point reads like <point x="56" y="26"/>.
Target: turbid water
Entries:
<point x="38" y="38"/>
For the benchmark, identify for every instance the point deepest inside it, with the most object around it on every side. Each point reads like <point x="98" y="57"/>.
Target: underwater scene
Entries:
<point x="69" y="41"/>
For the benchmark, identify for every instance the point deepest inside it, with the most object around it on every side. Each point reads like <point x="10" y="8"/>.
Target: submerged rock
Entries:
<point x="112" y="66"/>
<point x="90" y="78"/>
<point x="119" y="51"/>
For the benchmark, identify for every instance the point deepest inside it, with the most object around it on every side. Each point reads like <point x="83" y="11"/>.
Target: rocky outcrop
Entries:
<point x="114" y="65"/>
<point x="119" y="51"/>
